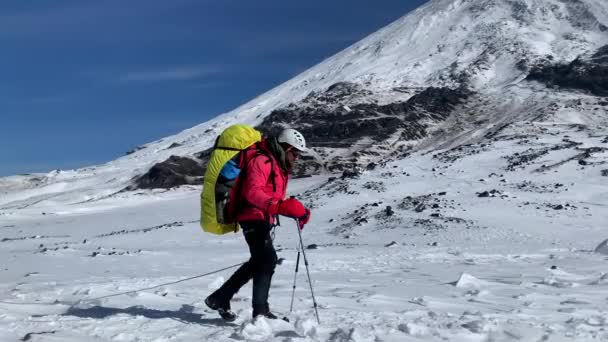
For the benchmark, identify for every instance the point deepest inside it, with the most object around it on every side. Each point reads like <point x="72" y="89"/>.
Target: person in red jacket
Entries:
<point x="258" y="198"/>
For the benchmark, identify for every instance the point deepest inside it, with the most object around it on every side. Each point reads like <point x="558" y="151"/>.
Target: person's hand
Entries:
<point x="304" y="220"/>
<point x="293" y="208"/>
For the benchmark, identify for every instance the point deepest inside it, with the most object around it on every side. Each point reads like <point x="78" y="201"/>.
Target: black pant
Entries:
<point x="260" y="267"/>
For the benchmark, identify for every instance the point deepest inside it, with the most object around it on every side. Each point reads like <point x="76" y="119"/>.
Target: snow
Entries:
<point x="257" y="330"/>
<point x="306" y="327"/>
<point x="492" y="268"/>
<point x="523" y="264"/>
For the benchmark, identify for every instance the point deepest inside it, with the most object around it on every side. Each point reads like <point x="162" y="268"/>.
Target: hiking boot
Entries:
<point x="270" y="315"/>
<point x="267" y="314"/>
<point x="222" y="308"/>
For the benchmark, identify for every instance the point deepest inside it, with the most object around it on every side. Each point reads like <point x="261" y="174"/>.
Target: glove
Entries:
<point x="293" y="208"/>
<point x="304" y="220"/>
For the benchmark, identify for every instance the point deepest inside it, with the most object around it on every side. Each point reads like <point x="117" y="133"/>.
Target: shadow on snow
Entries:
<point x="184" y="314"/>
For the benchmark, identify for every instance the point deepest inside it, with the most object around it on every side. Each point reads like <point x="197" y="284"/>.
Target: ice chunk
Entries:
<point x="467" y="280"/>
<point x="216" y="284"/>
<point x="257" y="330"/>
<point x="306" y="327"/>
<point x="602" y="248"/>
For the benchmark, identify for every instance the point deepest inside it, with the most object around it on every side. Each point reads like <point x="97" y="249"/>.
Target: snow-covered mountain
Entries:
<point x="448" y="73"/>
<point x="462" y="161"/>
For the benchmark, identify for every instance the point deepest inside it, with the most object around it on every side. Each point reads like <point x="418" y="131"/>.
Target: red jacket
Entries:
<point x="265" y="182"/>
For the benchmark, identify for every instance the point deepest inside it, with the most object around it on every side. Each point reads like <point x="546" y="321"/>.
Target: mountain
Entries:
<point x="459" y="194"/>
<point x="448" y="73"/>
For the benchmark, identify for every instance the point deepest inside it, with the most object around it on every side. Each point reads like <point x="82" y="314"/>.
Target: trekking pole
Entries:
<point x="312" y="292"/>
<point x="293" y="292"/>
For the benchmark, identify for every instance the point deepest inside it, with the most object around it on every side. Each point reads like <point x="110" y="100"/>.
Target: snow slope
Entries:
<point x="445" y="264"/>
<point x="442" y="44"/>
<point x="472" y="237"/>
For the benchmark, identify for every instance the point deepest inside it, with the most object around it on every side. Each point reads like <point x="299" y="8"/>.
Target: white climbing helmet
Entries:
<point x="293" y="138"/>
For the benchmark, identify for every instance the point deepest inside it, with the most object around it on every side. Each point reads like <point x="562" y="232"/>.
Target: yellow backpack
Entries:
<point x="231" y="142"/>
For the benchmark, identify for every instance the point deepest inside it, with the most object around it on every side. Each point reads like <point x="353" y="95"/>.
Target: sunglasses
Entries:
<point x="293" y="151"/>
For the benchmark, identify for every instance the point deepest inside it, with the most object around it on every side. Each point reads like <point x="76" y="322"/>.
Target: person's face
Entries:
<point x="292" y="155"/>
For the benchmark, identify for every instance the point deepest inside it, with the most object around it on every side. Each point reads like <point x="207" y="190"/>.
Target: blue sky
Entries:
<point x="82" y="82"/>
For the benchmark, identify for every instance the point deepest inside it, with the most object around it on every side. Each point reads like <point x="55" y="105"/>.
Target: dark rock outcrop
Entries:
<point x="343" y="116"/>
<point x="340" y="92"/>
<point x="581" y="16"/>
<point x="341" y="125"/>
<point x="134" y="150"/>
<point x="587" y="74"/>
<point x="173" y="172"/>
<point x="330" y="119"/>
<point x="601" y="56"/>
<point x="491" y="193"/>
<point x="352" y="173"/>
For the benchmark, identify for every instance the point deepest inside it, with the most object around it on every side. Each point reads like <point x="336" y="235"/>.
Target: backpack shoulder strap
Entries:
<point x="217" y="146"/>
<point x="244" y="160"/>
<point x="261" y="151"/>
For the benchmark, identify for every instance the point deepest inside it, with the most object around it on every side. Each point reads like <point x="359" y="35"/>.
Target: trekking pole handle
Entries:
<point x="300" y="225"/>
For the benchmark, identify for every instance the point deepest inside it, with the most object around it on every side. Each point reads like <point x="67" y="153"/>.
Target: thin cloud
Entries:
<point x="208" y="85"/>
<point x="83" y="16"/>
<point x="170" y="74"/>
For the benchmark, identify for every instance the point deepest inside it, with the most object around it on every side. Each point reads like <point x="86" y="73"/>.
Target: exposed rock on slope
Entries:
<point x="588" y="74"/>
<point x="173" y="172"/>
<point x="348" y="118"/>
